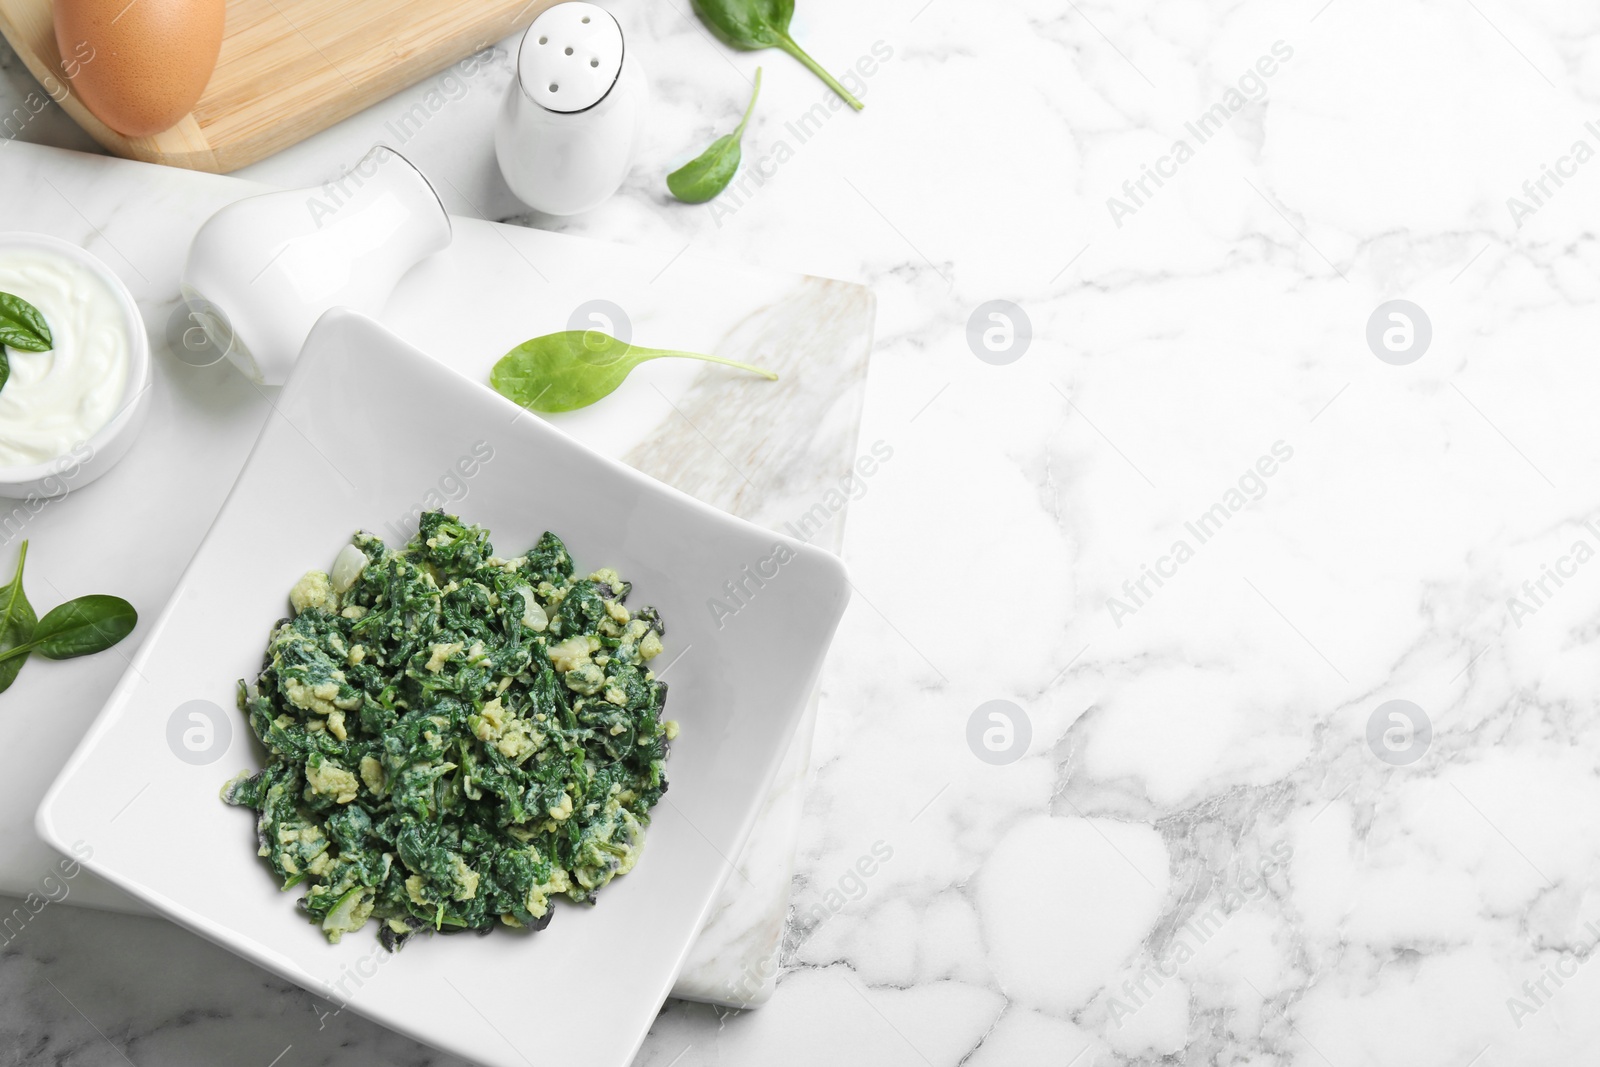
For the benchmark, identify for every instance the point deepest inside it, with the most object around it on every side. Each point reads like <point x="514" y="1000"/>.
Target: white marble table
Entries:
<point x="1198" y="536"/>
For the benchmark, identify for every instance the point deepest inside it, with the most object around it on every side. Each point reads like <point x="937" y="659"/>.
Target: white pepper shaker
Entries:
<point x="566" y="132"/>
<point x="262" y="270"/>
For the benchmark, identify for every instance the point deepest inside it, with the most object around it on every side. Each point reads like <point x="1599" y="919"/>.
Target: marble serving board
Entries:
<point x="778" y="462"/>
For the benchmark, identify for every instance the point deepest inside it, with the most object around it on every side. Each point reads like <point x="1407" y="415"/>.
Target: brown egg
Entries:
<point x="141" y="65"/>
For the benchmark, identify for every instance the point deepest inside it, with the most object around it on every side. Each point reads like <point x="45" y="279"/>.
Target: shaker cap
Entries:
<point x="570" y="57"/>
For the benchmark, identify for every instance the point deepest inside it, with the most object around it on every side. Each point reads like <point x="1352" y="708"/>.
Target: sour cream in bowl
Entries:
<point x="67" y="415"/>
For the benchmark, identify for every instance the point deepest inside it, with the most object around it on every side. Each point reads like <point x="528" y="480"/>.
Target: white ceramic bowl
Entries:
<point x="73" y="470"/>
<point x="360" y="438"/>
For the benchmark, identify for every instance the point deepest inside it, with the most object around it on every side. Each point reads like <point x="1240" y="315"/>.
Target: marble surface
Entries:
<point x="1201" y="832"/>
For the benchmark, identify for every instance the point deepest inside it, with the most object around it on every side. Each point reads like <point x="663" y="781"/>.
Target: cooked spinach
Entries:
<point x="706" y="175"/>
<point x="753" y="24"/>
<point x="454" y="738"/>
<point x="574" y="368"/>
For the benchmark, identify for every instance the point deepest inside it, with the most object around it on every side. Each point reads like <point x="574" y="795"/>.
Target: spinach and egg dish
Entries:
<point x="454" y="738"/>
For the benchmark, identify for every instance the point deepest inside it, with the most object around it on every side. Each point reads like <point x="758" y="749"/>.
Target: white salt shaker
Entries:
<point x="566" y="131"/>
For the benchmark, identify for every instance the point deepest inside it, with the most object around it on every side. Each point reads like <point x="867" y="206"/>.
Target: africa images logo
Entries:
<point x="1249" y="488"/>
<point x="1251" y="87"/>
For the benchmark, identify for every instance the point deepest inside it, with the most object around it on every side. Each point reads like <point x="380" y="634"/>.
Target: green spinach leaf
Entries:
<point x="754" y="24"/>
<point x="22" y="326"/>
<point x="82" y="626"/>
<point x="17" y="621"/>
<point x="572" y="369"/>
<point x="709" y="173"/>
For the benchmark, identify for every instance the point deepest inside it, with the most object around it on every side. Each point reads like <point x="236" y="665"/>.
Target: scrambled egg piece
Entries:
<point x="572" y="653"/>
<point x="441" y="655"/>
<point x="329" y="779"/>
<point x="314" y="590"/>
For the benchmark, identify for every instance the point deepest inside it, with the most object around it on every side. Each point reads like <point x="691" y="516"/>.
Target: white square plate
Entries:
<point x="365" y="430"/>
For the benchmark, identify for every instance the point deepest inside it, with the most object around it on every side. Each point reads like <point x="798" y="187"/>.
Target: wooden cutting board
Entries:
<point x="288" y="69"/>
